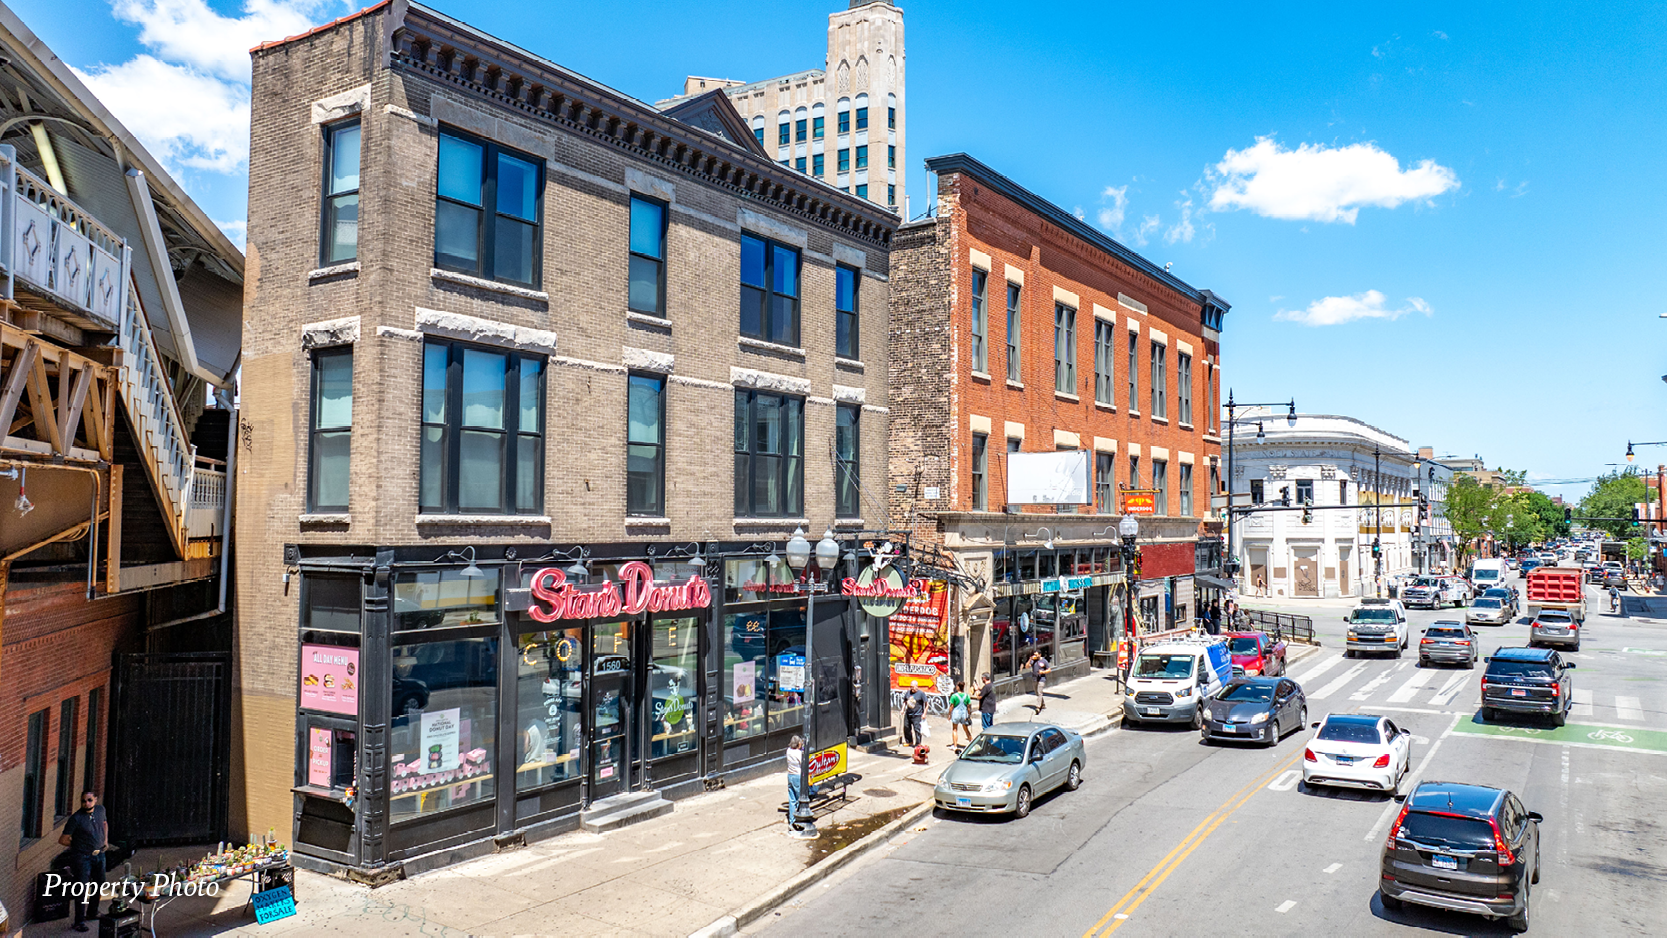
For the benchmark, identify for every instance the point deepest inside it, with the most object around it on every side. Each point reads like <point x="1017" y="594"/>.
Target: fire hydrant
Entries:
<point x="920" y="753"/>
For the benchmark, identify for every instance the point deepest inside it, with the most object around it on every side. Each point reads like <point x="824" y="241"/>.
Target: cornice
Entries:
<point x="442" y="49"/>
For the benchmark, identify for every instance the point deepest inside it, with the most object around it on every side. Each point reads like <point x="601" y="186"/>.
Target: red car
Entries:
<point x="1256" y="653"/>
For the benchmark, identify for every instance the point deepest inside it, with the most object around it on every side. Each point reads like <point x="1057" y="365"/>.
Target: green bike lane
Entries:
<point x="1587" y="735"/>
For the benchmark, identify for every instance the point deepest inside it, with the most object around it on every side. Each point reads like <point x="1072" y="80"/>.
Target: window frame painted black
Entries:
<point x="486" y="248"/>
<point x="848" y="322"/>
<point x="452" y="429"/>
<point x="980" y="467"/>
<point x="329" y="200"/>
<point x="848" y="461"/>
<point x="789" y="467"/>
<point x="314" y="431"/>
<point x="768" y="294"/>
<point x="634" y="255"/>
<point x="658" y="507"/>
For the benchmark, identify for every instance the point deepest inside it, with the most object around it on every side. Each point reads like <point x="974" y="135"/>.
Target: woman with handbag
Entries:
<point x="960" y="714"/>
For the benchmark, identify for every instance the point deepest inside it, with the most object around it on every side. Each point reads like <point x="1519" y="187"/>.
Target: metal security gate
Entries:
<point x="169" y="766"/>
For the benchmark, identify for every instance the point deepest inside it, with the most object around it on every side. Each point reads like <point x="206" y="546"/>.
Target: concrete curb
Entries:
<point x="765" y="904"/>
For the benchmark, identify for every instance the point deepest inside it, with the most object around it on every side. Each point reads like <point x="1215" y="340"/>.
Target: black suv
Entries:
<point x="1464" y="848"/>
<point x="1527" y="680"/>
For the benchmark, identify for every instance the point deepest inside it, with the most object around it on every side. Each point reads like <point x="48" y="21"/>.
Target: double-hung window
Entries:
<point x="817" y="166"/>
<point x="980" y="322"/>
<point x="483" y="431"/>
<point x="862" y="118"/>
<point x="1305" y="491"/>
<point x="862" y="191"/>
<point x="1134" y="373"/>
<point x="487" y="210"/>
<point x="844" y="122"/>
<point x="1013" y="291"/>
<point x="65" y="803"/>
<point x="1134" y="472"/>
<point x="862" y="157"/>
<point x="843" y="160"/>
<point x="1258" y="491"/>
<point x="1186" y="490"/>
<point x="1103" y="353"/>
<point x="648" y="256"/>
<point x="848" y="462"/>
<point x="799" y="164"/>
<point x="891" y="157"/>
<point x="1104" y="482"/>
<point x="846" y="336"/>
<point x="784" y="134"/>
<point x="1064" y="349"/>
<point x="1183" y="387"/>
<point x="1160" y="484"/>
<point x="645" y="446"/>
<point x="1209" y="397"/>
<point x="341" y="194"/>
<point x="891" y="118"/>
<point x="1160" y="382"/>
<point x="769" y="455"/>
<point x="769" y="291"/>
<point x="817" y="125"/>
<point x="34" y="774"/>
<point x="799" y="130"/>
<point x="332" y="429"/>
<point x="980" y="472"/>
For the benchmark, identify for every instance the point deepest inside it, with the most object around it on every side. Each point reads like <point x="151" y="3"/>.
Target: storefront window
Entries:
<point x="1045" y="568"/>
<point x="332" y="603"/>
<point x="786" y="674"/>
<point x="1027" y="566"/>
<point x="744" y="652"/>
<point x="1003" y="628"/>
<point x="444" y="722"/>
<point x="673" y="687"/>
<point x="611" y="724"/>
<point x="549" y="707"/>
<point x="1072" y="632"/>
<point x="1004" y="566"/>
<point x="431" y="599"/>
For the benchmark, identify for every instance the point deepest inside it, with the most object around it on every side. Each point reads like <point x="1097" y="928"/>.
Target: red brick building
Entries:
<point x="1020" y="329"/>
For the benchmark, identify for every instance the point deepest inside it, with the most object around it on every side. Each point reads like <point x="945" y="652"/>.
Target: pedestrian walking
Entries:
<point x="987" y="702"/>
<point x="795" y="777"/>
<point x="960" y="714"/>
<point x="914" y="712"/>
<point x="87" y="835"/>
<point x="1039" y="669"/>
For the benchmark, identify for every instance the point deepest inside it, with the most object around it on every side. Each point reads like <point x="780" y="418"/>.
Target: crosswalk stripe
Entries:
<point x="1318" y="669"/>
<point x="1629" y="708"/>
<point x="1582" y="702"/>
<point x="1406" y="691"/>
<point x="1342" y="681"/>
<point x="1445" y="694"/>
<point x="1367" y="688"/>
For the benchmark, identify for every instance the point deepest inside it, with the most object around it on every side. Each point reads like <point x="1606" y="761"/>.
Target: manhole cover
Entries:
<point x="879" y="792"/>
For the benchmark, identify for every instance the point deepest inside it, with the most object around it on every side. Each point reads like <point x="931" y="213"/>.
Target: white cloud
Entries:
<point x="186" y="118"/>
<point x="1320" y="183"/>
<point x="189" y="32"/>
<point x="1336" y="310"/>
<point x="1440" y="35"/>
<point x="237" y="231"/>
<point x="1111" y="216"/>
<point x="1183" y="229"/>
<point x="1148" y="227"/>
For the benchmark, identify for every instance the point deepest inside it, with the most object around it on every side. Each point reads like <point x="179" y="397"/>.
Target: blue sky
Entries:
<point x="1444" y="219"/>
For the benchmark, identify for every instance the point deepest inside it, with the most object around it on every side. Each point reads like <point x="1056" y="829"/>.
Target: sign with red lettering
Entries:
<point x="881" y="591"/>
<point x="827" y="763"/>
<point x="318" y="757"/>
<point x="636" y="592"/>
<point x="330" y="679"/>
<point x="1139" y="502"/>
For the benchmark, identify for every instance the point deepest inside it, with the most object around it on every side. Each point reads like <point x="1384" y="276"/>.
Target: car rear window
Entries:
<point x="1437" y="830"/>
<point x="1520" y="668"/>
<point x="1444" y="633"/>
<point x="1486" y="603"/>
<point x="1350" y="732"/>
<point x="1555" y="617"/>
<point x="1253" y="692"/>
<point x="1244" y="646"/>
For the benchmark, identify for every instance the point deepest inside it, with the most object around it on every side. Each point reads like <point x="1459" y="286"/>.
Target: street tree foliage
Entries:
<point x="1515" y="519"/>
<point x="1469" y="510"/>
<point x="1512" y="518"/>
<point x="1613" y="496"/>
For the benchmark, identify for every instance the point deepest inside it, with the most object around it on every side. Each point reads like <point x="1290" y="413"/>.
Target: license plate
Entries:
<point x="1345" y="760"/>
<point x="1518" y="692"/>
<point x="1153" y="711"/>
<point x="1444" y="863"/>
<point x="963" y="801"/>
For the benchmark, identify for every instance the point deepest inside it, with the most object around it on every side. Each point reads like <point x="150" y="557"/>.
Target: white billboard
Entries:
<point x="1057" y="478"/>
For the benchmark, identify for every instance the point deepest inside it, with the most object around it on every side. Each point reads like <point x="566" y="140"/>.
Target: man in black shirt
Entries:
<point x="914" y="712"/>
<point x="87" y="835"/>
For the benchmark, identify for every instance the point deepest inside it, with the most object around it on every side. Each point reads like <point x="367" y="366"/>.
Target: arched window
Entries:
<point x="801" y="125"/>
<point x="817" y="128"/>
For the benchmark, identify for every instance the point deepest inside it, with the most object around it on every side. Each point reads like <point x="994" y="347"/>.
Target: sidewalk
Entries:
<point x="720" y="854"/>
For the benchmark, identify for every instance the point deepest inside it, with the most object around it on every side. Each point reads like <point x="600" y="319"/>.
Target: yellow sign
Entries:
<point x="828" y="763"/>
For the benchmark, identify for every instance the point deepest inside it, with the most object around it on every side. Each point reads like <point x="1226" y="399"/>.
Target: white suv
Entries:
<point x="1376" y="626"/>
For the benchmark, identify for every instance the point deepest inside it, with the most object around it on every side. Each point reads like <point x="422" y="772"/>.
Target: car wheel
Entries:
<point x="1536" y="877"/>
<point x="1471" y="665"/>
<point x="1197" y="718"/>
<point x="1576" y="647"/>
<point x="1390" y="903"/>
<point x="1560" y="718"/>
<point x="1519" y="921"/>
<point x="1489" y="715"/>
<point x="1073" y="779"/>
<point x="1423" y="663"/>
<point x="1021" y="808"/>
<point x="1304" y="721"/>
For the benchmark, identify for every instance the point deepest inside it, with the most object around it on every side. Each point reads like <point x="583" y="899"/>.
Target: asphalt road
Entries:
<point x="1171" y="837"/>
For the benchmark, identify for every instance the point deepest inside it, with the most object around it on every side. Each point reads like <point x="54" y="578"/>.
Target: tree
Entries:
<point x="1614" y="496"/>
<point x="1514" y="519"/>
<point x="1469" y="507"/>
<point x="1550" y="514"/>
<point x="1637" y="548"/>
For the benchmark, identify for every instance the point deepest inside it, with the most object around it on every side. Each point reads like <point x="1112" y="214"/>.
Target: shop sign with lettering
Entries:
<point x="828" y="762"/>
<point x="881" y="591"/>
<point x="1066" y="583"/>
<point x="636" y="592"/>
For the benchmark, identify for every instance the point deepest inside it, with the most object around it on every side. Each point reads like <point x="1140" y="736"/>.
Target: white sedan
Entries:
<point x="1358" y="750"/>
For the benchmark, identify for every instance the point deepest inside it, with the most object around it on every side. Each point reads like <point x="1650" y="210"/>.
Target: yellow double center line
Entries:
<point x="1152" y="880"/>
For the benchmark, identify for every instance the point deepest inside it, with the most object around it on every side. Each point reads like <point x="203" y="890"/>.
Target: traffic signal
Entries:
<point x="1285" y="498"/>
<point x="1308" y="511"/>
<point x="1635" y="516"/>
<point x="1568" y="515"/>
<point x="1377" y="549"/>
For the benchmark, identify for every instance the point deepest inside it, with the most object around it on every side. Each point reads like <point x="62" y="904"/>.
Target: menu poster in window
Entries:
<point x="330" y="679"/>
<point x="920" y="641"/>
<point x="746" y="682"/>
<point x="318" y="757"/>
<point x="440" y="732"/>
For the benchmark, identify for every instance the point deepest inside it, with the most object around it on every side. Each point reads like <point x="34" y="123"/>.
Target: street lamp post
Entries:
<point x="1377" y="526"/>
<point x="1232" y="408"/>
<point x="810" y="584"/>
<point x="1129" y="529"/>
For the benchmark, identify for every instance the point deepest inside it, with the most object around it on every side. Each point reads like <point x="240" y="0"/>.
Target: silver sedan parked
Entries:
<point x="1008" y="766"/>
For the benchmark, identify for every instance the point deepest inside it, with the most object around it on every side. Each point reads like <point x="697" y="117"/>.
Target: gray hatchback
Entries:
<point x="1448" y="641"/>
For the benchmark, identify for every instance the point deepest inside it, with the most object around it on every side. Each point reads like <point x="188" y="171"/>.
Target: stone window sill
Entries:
<point x="850" y="363"/>
<point x="983" y="376"/>
<point x="1067" y="397"/>
<point x="770" y="522"/>
<point x="1102" y="405"/>
<point x="326" y="518"/>
<point x="484" y="519"/>
<point x="646" y="521"/>
<point x="1211" y="438"/>
<point x="335" y="270"/>
<point x="847" y="522"/>
<point x="494" y="286"/>
<point x="1163" y="420"/>
<point x="647" y="320"/>
<point x="759" y="345"/>
<point x="1184" y="426"/>
<point x="1015" y="385"/>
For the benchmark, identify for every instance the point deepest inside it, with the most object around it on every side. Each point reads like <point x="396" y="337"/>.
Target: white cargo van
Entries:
<point x="1170" y="678"/>
<point x="1487" y="574"/>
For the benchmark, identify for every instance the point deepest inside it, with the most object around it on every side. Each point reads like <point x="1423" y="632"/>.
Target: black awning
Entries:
<point x="1215" y="581"/>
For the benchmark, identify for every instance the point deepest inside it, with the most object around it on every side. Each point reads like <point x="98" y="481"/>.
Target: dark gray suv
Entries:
<point x="1528" y="680"/>
<point x="1464" y="848"/>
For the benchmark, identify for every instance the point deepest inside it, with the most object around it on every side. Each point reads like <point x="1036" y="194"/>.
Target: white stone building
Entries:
<point x="842" y="123"/>
<point x="1330" y="461"/>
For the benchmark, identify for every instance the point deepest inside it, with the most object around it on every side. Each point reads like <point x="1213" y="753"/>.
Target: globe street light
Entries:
<point x="1128" y="529"/>
<point x="798" y="557"/>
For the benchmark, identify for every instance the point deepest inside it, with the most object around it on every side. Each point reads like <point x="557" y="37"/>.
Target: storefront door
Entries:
<point x="612" y="708"/>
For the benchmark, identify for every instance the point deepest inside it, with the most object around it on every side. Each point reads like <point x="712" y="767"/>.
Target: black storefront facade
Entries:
<point x="447" y="705"/>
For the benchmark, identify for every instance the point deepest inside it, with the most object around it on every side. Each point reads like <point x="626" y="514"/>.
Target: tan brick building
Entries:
<point x="538" y="381"/>
<point x="1029" y="332"/>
